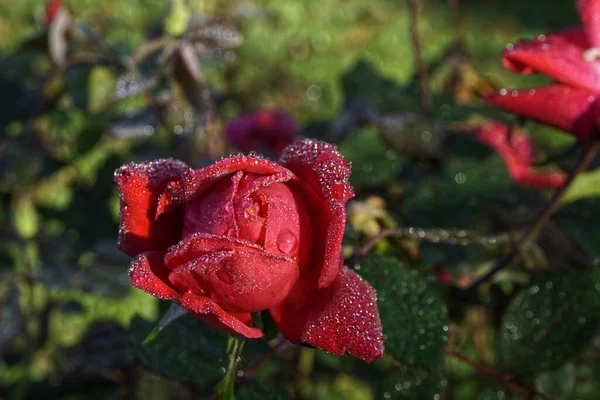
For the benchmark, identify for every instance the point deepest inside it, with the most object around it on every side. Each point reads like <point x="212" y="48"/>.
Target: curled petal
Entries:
<point x="342" y="318"/>
<point x="559" y="106"/>
<point x="210" y="313"/>
<point x="589" y="11"/>
<point x="323" y="178"/>
<point x="195" y="183"/>
<point x="148" y="273"/>
<point x="559" y="55"/>
<point x="238" y="277"/>
<point x="140" y="185"/>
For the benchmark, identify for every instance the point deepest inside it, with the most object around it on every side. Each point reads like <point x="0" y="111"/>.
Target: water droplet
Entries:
<point x="196" y="291"/>
<point x="229" y="207"/>
<point x="287" y="242"/>
<point x="224" y="277"/>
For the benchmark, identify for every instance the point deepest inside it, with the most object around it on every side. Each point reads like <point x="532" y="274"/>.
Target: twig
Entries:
<point x="280" y="345"/>
<point x="442" y="236"/>
<point x="542" y="217"/>
<point x="420" y="70"/>
<point x="505" y="379"/>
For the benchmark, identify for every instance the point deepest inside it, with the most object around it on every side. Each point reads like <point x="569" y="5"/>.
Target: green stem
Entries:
<point x="225" y="389"/>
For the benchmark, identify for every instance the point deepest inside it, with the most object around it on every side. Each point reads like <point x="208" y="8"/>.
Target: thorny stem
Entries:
<point x="505" y="379"/>
<point x="543" y="217"/>
<point x="442" y="236"/>
<point x="421" y="73"/>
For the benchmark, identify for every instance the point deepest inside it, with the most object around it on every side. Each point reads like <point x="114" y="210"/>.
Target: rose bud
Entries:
<point x="247" y="234"/>
<point x="264" y="130"/>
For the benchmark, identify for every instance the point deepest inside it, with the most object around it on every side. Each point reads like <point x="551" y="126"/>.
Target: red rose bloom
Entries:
<point x="262" y="130"/>
<point x="572" y="58"/>
<point x="247" y="234"/>
<point x="518" y="156"/>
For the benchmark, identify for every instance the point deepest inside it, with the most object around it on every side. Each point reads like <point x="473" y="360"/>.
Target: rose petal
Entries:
<point x="148" y="272"/>
<point x="210" y="313"/>
<point x="323" y="179"/>
<point x="518" y="156"/>
<point x="197" y="182"/>
<point x="238" y="277"/>
<point x="140" y="186"/>
<point x="342" y="318"/>
<point x="589" y="11"/>
<point x="560" y="106"/>
<point x="212" y="213"/>
<point x="559" y="55"/>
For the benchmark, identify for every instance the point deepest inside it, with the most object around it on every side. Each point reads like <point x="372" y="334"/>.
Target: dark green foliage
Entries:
<point x="187" y="350"/>
<point x="551" y="321"/>
<point x="415" y="324"/>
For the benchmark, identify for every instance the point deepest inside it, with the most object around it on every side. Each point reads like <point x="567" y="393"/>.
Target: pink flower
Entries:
<point x="262" y="130"/>
<point x="518" y="156"/>
<point x="572" y="58"/>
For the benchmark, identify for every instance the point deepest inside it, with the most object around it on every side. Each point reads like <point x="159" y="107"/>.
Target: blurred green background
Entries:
<point x="71" y="112"/>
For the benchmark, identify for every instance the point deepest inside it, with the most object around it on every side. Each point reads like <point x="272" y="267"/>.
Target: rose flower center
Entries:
<point x="268" y="220"/>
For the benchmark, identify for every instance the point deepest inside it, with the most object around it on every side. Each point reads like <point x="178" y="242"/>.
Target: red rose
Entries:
<point x="247" y="234"/>
<point x="572" y="58"/>
<point x="262" y="130"/>
<point x="518" y="156"/>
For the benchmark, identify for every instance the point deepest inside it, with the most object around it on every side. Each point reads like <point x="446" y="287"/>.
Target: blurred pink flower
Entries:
<point x="262" y="130"/>
<point x="572" y="58"/>
<point x="518" y="156"/>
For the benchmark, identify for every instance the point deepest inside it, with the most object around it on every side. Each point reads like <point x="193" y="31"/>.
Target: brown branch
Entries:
<point x="543" y="217"/>
<point x="504" y="379"/>
<point x="442" y="236"/>
<point x="420" y="70"/>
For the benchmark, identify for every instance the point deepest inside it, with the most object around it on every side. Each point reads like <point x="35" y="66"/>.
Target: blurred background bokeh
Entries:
<point x="88" y="85"/>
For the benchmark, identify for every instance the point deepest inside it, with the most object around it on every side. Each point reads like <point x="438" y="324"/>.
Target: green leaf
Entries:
<point x="411" y="383"/>
<point x="415" y="324"/>
<point x="373" y="163"/>
<point x="550" y="322"/>
<point x="557" y="384"/>
<point x="494" y="394"/>
<point x="262" y="390"/>
<point x="25" y="217"/>
<point x="174" y="312"/>
<point x="585" y="185"/>
<point x="187" y="350"/>
<point x="575" y="219"/>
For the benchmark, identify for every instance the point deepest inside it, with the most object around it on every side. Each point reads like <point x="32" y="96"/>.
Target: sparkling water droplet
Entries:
<point x="229" y="207"/>
<point x="287" y="241"/>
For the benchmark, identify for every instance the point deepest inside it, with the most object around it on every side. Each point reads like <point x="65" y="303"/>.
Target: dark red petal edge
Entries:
<point x="324" y="171"/>
<point x="140" y="186"/>
<point x="148" y="273"/>
<point x="212" y="314"/>
<point x="342" y="318"/>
